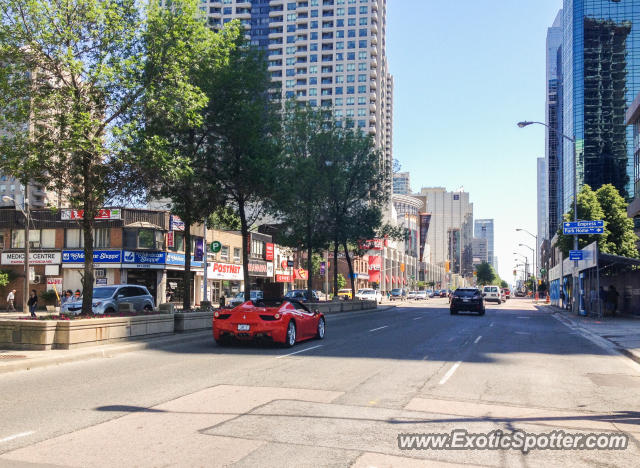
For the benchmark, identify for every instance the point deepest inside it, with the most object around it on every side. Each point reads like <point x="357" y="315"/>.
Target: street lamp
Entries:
<point x="25" y="212"/>
<point x="575" y="198"/>
<point x="535" y="283"/>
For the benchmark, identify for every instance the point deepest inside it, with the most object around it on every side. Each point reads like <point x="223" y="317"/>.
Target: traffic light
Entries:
<point x="514" y="272"/>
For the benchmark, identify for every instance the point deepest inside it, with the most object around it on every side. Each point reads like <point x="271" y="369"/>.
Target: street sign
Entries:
<point x="573" y="231"/>
<point x="216" y="246"/>
<point x="584" y="224"/>
<point x="576" y="255"/>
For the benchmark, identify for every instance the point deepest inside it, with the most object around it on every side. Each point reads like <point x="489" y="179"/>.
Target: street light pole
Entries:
<point x="25" y="212"/>
<point x="575" y="201"/>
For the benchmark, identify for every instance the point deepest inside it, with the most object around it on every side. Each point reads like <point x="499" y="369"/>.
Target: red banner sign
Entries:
<point x="268" y="251"/>
<point x="170" y="239"/>
<point x="284" y="279"/>
<point x="301" y="273"/>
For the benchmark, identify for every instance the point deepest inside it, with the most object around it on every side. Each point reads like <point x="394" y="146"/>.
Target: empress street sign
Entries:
<point x="583" y="227"/>
<point x="584" y="224"/>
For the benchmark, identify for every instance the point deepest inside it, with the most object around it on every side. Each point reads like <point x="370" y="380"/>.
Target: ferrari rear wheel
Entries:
<point x="291" y="335"/>
<point x="321" y="327"/>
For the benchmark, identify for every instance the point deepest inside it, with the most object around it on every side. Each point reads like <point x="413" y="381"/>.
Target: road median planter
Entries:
<point x="68" y="334"/>
<point x="336" y="307"/>
<point x="191" y="321"/>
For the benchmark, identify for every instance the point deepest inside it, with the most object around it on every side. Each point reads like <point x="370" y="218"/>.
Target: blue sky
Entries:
<point x="465" y="73"/>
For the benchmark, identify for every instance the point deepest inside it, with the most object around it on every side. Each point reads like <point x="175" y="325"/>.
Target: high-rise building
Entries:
<point x="600" y="79"/>
<point x="484" y="229"/>
<point x="328" y="53"/>
<point x="402" y="183"/>
<point x="480" y="251"/>
<point x="543" y="202"/>
<point x="553" y="143"/>
<point x="450" y="231"/>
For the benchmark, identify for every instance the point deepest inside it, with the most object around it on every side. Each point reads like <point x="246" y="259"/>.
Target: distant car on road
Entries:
<point x="345" y="294"/>
<point x="430" y="292"/>
<point x="444" y="293"/>
<point x="302" y="295"/>
<point x="411" y="294"/>
<point x="467" y="299"/>
<point x="369" y="294"/>
<point x="421" y="296"/>
<point x="520" y="293"/>
<point x="492" y="293"/>
<point x="398" y="294"/>
<point x="507" y="293"/>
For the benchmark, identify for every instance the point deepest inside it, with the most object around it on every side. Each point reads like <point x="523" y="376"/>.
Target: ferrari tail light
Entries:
<point x="277" y="316"/>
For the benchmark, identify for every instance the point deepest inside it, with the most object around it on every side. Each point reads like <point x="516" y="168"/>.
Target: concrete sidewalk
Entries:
<point x="622" y="332"/>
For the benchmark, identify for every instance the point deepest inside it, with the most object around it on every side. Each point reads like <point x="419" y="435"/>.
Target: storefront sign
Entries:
<point x="199" y="253"/>
<point x="284" y="264"/>
<point x="104" y="213"/>
<point x="371" y="244"/>
<point x="35" y="258"/>
<point x="150" y="260"/>
<point x="175" y="223"/>
<point x="258" y="268"/>
<point x="225" y="271"/>
<point x="99" y="256"/>
<point x="173" y="258"/>
<point x="54" y="283"/>
<point x="170" y="239"/>
<point x="300" y="274"/>
<point x="375" y="267"/>
<point x="284" y="278"/>
<point x="101" y="281"/>
<point x="268" y="252"/>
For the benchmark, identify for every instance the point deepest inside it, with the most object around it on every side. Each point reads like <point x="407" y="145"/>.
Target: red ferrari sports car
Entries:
<point x="281" y="321"/>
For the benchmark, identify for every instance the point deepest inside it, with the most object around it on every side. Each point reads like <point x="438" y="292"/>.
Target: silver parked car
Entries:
<point x="107" y="298"/>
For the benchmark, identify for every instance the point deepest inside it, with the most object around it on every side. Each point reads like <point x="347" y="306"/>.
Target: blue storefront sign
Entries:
<point x="99" y="256"/>
<point x="155" y="260"/>
<point x="178" y="259"/>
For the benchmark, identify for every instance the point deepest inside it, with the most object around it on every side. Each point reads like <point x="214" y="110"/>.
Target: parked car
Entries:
<point x="398" y="294"/>
<point x="239" y="298"/>
<point x="421" y="296"/>
<point x="503" y="296"/>
<point x="444" y="292"/>
<point x="302" y="295"/>
<point x="430" y="292"/>
<point x="368" y="294"/>
<point x="345" y="294"/>
<point x="107" y="298"/>
<point x="280" y="321"/>
<point x="467" y="299"/>
<point x="492" y="293"/>
<point x="507" y="293"/>
<point x="411" y="294"/>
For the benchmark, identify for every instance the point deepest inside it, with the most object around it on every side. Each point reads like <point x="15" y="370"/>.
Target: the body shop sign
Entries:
<point x="225" y="271"/>
<point x="35" y="258"/>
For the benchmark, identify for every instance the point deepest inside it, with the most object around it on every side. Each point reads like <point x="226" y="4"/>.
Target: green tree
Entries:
<point x="192" y="189"/>
<point x="589" y="209"/>
<point x="73" y="78"/>
<point x="620" y="239"/>
<point x="504" y="284"/>
<point x="245" y="152"/>
<point x="341" y="282"/>
<point x="4" y="278"/>
<point x="485" y="274"/>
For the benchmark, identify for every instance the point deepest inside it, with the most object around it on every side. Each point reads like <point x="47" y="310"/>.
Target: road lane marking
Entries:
<point x="450" y="373"/>
<point x="522" y="333"/>
<point x="418" y="318"/>
<point x="524" y="317"/>
<point x="477" y="339"/>
<point x="298" y="352"/>
<point x="491" y="324"/>
<point x="379" y="328"/>
<point x="16" y="436"/>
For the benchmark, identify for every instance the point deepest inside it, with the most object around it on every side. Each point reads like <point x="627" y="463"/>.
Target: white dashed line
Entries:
<point x="522" y="333"/>
<point x="477" y="339"/>
<point x="376" y="329"/>
<point x="524" y="317"/>
<point x="418" y="318"/>
<point x="491" y="324"/>
<point x="298" y="352"/>
<point x="448" y="375"/>
<point x="16" y="436"/>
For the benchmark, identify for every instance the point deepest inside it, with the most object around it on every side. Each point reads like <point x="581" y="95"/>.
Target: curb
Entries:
<point x="104" y="351"/>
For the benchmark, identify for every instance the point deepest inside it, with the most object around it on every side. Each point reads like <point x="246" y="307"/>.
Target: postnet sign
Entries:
<point x="225" y="271"/>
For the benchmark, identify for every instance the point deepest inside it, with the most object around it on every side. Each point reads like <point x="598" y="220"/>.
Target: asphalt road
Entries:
<point x="341" y="401"/>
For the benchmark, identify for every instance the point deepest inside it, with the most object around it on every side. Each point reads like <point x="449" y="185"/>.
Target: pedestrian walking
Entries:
<point x="222" y="301"/>
<point x="11" y="297"/>
<point x="33" y="303"/>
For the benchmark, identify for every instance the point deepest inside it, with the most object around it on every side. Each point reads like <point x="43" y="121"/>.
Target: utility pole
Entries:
<point x="27" y="272"/>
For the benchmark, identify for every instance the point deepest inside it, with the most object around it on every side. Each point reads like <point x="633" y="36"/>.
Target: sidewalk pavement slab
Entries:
<point x="623" y="332"/>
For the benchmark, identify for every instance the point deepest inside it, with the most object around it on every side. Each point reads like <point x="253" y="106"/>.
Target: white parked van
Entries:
<point x="492" y="293"/>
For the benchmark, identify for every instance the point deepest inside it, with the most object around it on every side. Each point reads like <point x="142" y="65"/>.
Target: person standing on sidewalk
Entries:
<point x="33" y="303"/>
<point x="612" y="299"/>
<point x="11" y="297"/>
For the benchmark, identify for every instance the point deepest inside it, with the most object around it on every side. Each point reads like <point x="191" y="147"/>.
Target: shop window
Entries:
<point x="17" y="238"/>
<point x="101" y="238"/>
<point x="48" y="238"/>
<point x="143" y="239"/>
<point x="74" y="238"/>
<point x="178" y="242"/>
<point x="236" y="255"/>
<point x="224" y="253"/>
<point x="146" y="239"/>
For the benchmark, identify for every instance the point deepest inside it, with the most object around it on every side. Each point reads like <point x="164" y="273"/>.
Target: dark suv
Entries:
<point x="467" y="299"/>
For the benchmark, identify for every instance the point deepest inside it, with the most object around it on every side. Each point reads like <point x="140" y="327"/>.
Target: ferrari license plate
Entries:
<point x="243" y="327"/>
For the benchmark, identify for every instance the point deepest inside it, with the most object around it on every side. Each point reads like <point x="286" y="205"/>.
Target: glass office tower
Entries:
<point x="600" y="78"/>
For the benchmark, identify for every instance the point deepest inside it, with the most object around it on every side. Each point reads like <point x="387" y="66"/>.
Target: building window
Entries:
<point x="236" y="255"/>
<point x="224" y="253"/>
<point x="143" y="239"/>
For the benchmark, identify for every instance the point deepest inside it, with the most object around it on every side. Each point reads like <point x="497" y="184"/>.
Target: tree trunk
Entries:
<point x="335" y="267"/>
<point x="186" y="278"/>
<point x="244" y="229"/>
<point x="309" y="262"/>
<point x="351" y="275"/>
<point x="87" y="231"/>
